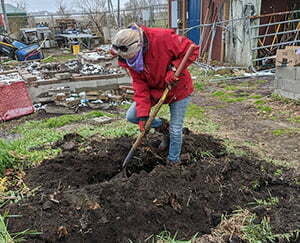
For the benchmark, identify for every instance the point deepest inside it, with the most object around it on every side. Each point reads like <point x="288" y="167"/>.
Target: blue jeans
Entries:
<point x="177" y="110"/>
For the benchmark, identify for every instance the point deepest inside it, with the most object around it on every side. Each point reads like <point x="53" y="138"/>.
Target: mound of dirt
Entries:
<point x="82" y="198"/>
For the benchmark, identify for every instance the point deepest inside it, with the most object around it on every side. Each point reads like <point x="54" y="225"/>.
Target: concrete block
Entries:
<point x="292" y="86"/>
<point x="275" y="83"/>
<point x="29" y="77"/>
<point x="286" y="94"/>
<point x="286" y="73"/>
<point x="63" y="76"/>
<point x="298" y="73"/>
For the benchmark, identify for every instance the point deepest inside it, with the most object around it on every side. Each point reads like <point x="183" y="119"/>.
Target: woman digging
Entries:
<point x="152" y="55"/>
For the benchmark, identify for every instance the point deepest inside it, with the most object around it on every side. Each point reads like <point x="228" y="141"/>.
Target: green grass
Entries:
<point x="166" y="237"/>
<point x="229" y="97"/>
<point x="278" y="172"/>
<point x="272" y="201"/>
<point x="6" y="159"/>
<point x="264" y="108"/>
<point x="260" y="102"/>
<point x="60" y="121"/>
<point x="255" y="96"/>
<point x="197" y="120"/>
<point x="230" y="88"/>
<point x="111" y="130"/>
<point x="254" y="232"/>
<point x="219" y="93"/>
<point x="295" y="119"/>
<point x="7" y="237"/>
<point x="200" y="86"/>
<point x="232" y="148"/>
<point x="285" y="131"/>
<point x="277" y="97"/>
<point x="60" y="58"/>
<point x="21" y="153"/>
<point x="233" y="100"/>
<point x="261" y="81"/>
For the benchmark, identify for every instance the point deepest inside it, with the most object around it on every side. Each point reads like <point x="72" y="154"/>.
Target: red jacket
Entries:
<point x="163" y="47"/>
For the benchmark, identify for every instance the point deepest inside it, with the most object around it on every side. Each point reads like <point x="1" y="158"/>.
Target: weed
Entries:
<point x="124" y="106"/>
<point x="257" y="96"/>
<point x="195" y="111"/>
<point x="7" y="237"/>
<point x="219" y="93"/>
<point x="111" y="130"/>
<point x="230" y="88"/>
<point x="234" y="100"/>
<point x="206" y="154"/>
<point x="232" y="148"/>
<point x="278" y="172"/>
<point x="60" y="58"/>
<point x="60" y="121"/>
<point x="245" y="224"/>
<point x="6" y="159"/>
<point x="277" y="97"/>
<point x="36" y="134"/>
<point x="295" y="119"/>
<point x="260" y="102"/>
<point x="285" y="131"/>
<point x="272" y="201"/>
<point x="261" y="81"/>
<point x="228" y="97"/>
<point x="254" y="232"/>
<point x="264" y="108"/>
<point x="262" y="232"/>
<point x="166" y="237"/>
<point x="199" y="86"/>
<point x="255" y="184"/>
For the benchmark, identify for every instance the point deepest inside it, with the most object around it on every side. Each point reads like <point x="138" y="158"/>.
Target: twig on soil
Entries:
<point x="59" y="185"/>
<point x="8" y="198"/>
<point x="51" y="198"/>
<point x="189" y="199"/>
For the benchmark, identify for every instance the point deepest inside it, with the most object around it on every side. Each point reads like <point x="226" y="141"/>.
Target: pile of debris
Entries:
<point x="44" y="71"/>
<point x="96" y="56"/>
<point x="8" y="78"/>
<point x="104" y="99"/>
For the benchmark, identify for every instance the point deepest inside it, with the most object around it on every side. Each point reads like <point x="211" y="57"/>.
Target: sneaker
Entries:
<point x="172" y="163"/>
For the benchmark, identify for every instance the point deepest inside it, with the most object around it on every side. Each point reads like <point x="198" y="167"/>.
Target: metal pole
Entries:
<point x="119" y="23"/>
<point x="6" y="24"/>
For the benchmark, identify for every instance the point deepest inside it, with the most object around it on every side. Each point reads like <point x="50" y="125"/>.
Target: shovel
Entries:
<point x="156" y="109"/>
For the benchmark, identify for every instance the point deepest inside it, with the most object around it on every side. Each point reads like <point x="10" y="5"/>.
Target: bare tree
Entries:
<point x="95" y="10"/>
<point x="21" y="4"/>
<point x="62" y="7"/>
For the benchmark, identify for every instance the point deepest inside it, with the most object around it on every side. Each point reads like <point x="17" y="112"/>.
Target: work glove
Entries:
<point x="170" y="78"/>
<point x="142" y="123"/>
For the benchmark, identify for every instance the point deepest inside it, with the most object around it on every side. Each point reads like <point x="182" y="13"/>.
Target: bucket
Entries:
<point x="76" y="49"/>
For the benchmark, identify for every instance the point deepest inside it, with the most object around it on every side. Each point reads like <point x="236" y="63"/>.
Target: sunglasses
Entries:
<point x="123" y="48"/>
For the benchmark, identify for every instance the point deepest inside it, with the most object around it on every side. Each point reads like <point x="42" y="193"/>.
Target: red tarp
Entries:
<point x="14" y="101"/>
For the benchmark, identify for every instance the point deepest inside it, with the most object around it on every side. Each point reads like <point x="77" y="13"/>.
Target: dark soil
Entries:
<point x="84" y="198"/>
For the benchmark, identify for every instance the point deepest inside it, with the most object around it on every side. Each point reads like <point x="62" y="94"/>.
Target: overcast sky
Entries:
<point x="45" y="5"/>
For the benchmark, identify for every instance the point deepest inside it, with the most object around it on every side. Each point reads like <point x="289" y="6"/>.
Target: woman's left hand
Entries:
<point x="170" y="78"/>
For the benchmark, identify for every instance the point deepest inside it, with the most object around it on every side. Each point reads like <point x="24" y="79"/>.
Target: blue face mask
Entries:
<point x="137" y="63"/>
